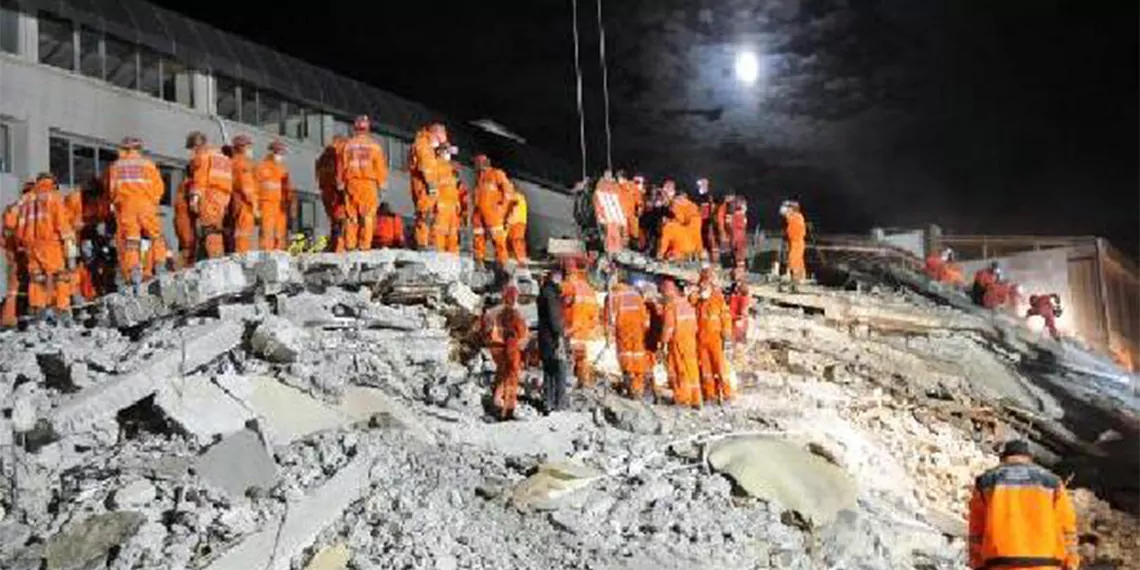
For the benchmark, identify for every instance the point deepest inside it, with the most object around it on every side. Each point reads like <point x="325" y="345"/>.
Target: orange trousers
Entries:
<point x="212" y="221"/>
<point x="632" y="357"/>
<point x="274" y="226"/>
<point x="245" y="225"/>
<point x="684" y="371"/>
<point x="517" y="239"/>
<point x="478" y="237"/>
<point x="134" y="222"/>
<point x="714" y="369"/>
<point x="796" y="268"/>
<point x="634" y="229"/>
<point x="187" y="238"/>
<point x="422" y="226"/>
<point x="614" y="237"/>
<point x="583" y="368"/>
<point x="362" y="197"/>
<point x="10" y="315"/>
<point x="445" y="230"/>
<point x="508" y="368"/>
<point x="48" y="279"/>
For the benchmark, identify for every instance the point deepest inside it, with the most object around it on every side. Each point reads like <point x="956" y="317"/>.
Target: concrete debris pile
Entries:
<point x="329" y="412"/>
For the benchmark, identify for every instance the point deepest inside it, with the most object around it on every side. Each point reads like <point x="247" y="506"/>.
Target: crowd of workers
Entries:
<point x="992" y="289"/>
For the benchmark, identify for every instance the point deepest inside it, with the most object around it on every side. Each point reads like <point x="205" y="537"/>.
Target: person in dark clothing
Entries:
<point x="552" y="342"/>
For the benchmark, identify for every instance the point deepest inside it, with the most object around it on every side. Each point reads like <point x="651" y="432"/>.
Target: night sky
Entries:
<point x="996" y="117"/>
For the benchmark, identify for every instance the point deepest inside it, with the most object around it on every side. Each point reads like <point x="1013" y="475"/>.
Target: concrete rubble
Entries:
<point x="328" y="412"/>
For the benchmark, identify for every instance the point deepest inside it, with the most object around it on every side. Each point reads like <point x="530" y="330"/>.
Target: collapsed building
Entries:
<point x="330" y="411"/>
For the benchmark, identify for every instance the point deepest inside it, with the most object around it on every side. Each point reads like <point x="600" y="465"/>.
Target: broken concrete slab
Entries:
<point x="787" y="475"/>
<point x="332" y="557"/>
<point x="276" y="545"/>
<point x="554" y="486"/>
<point x="81" y="544"/>
<point x="199" y="346"/>
<point x="278" y="340"/>
<point x="203" y="409"/>
<point x="631" y="416"/>
<point x="286" y="414"/>
<point x="134" y="495"/>
<point x="236" y="463"/>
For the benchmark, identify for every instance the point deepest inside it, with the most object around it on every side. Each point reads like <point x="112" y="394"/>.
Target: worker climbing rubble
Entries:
<point x="984" y="278"/>
<point x="505" y="332"/>
<point x="211" y="186"/>
<point x="362" y="173"/>
<point x="276" y="197"/>
<point x="940" y="267"/>
<point x="43" y="231"/>
<point x="136" y="190"/>
<point x="627" y="323"/>
<point x="1048" y="307"/>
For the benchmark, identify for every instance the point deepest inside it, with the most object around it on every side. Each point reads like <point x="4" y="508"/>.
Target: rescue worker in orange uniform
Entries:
<point x="580" y="310"/>
<point x="275" y="194"/>
<point x="940" y="267"/>
<point x="444" y="226"/>
<point x="43" y="230"/>
<point x="714" y="330"/>
<point x="427" y="174"/>
<point x="506" y="333"/>
<point x="362" y="173"/>
<point x="15" y="258"/>
<point x="630" y="195"/>
<point x="82" y="286"/>
<point x="245" y="204"/>
<point x="610" y="213"/>
<point x="1047" y="307"/>
<point x="681" y="232"/>
<point x="627" y="323"/>
<point x="331" y="197"/>
<point x="795" y="232"/>
<point x="389" y="229"/>
<point x="710" y="234"/>
<point x="1021" y="516"/>
<point x="185" y="223"/>
<point x="492" y="187"/>
<point x="679" y="338"/>
<point x="983" y="279"/>
<point x="516" y="225"/>
<point x="211" y="185"/>
<point x="637" y="199"/>
<point x="136" y="189"/>
<point x="739" y="303"/>
<point x="90" y="212"/>
<point x="737" y="225"/>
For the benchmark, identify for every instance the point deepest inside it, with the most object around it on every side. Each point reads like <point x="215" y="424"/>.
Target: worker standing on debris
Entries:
<point x="736" y="225"/>
<point x="941" y="268"/>
<point x="679" y="337"/>
<point x="516" y="225"/>
<point x="276" y="196"/>
<point x="136" y="190"/>
<point x="15" y="257"/>
<point x="505" y="333"/>
<point x="1048" y="307"/>
<point x="427" y="175"/>
<point x="739" y="303"/>
<point x="492" y="188"/>
<point x="362" y="173"/>
<point x="714" y="327"/>
<point x="1001" y="293"/>
<point x="44" y="231"/>
<point x="795" y="232"/>
<point x="90" y="212"/>
<point x="1021" y="516"/>
<point x="211" y="185"/>
<point x="710" y="236"/>
<point x="185" y="222"/>
<point x="389" y="229"/>
<point x="552" y="342"/>
<point x="609" y="213"/>
<point x="580" y="305"/>
<point x="444" y="228"/>
<point x="245" y="206"/>
<point x="983" y="279"/>
<point x="632" y="198"/>
<point x="331" y="197"/>
<point x="681" y="229"/>
<point x="653" y="343"/>
<point x="629" y="317"/>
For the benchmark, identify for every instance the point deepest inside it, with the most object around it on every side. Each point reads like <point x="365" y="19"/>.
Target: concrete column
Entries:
<point x="321" y="127"/>
<point x="36" y="138"/>
<point x="203" y="86"/>
<point x="933" y="239"/>
<point x="29" y="35"/>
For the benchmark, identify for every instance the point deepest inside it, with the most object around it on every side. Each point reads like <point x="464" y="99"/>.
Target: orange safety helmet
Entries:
<point x="277" y="147"/>
<point x="242" y="141"/>
<point x="361" y="124"/>
<point x="130" y="143"/>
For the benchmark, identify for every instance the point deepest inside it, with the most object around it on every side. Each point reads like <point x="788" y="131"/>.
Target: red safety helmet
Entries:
<point x="277" y="147"/>
<point x="242" y="141"/>
<point x="362" y="124"/>
<point x="130" y="143"/>
<point x="510" y="294"/>
<point x="481" y="161"/>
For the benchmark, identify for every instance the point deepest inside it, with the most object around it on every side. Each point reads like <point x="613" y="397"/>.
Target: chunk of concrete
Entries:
<point x="461" y="296"/>
<point x="203" y="409"/>
<point x="631" y="416"/>
<point x="787" y="475"/>
<point x="81" y="544"/>
<point x="332" y="557"/>
<point x="554" y="486"/>
<point x="279" y="542"/>
<point x="284" y="413"/>
<point x="135" y="495"/>
<point x="200" y="345"/>
<point x="278" y="340"/>
<point x="236" y="463"/>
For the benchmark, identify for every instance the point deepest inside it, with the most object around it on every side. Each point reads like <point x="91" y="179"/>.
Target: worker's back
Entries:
<point x="1021" y="516"/>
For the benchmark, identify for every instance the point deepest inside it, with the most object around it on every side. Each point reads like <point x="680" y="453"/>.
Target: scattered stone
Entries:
<point x="236" y="463"/>
<point x="554" y="486"/>
<point x="204" y="409"/>
<point x="134" y="495"/>
<point x="333" y="557"/>
<point x="278" y="340"/>
<point x="631" y="416"/>
<point x="83" y="543"/>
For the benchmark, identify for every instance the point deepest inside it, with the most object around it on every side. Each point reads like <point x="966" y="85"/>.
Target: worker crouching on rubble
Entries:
<point x="1021" y="516"/>
<point x="389" y="229"/>
<point x="505" y="333"/>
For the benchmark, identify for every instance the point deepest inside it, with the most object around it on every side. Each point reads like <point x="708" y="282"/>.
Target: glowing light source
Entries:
<point x="747" y="67"/>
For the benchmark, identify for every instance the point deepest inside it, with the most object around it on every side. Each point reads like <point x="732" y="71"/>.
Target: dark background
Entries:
<point x="997" y="117"/>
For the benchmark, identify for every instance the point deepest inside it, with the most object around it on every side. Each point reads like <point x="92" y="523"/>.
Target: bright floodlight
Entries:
<point x="747" y="67"/>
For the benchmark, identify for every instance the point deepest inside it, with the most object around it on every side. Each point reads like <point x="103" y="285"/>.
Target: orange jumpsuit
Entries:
<point x="245" y="205"/>
<point x="627" y="312"/>
<point x="491" y="191"/>
<point x="1021" y="517"/>
<point x="681" y="233"/>
<point x="610" y="213"/>
<point x="389" y="231"/>
<point x="331" y="198"/>
<point x="505" y="332"/>
<point x="276" y="196"/>
<point x="184" y="224"/>
<point x="428" y="173"/>
<point x="738" y="303"/>
<point x="211" y="184"/>
<point x="679" y="335"/>
<point x="448" y="211"/>
<point x="136" y="189"/>
<point x="15" y="261"/>
<point x="714" y="324"/>
<point x="363" y="171"/>
<point x="82" y="281"/>
<point x="516" y="224"/>
<point x="631" y="205"/>
<point x="580" y="308"/>
<point x="795" y="230"/>
<point x="43" y="229"/>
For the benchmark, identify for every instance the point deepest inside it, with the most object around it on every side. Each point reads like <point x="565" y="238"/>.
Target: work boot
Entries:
<point x="136" y="281"/>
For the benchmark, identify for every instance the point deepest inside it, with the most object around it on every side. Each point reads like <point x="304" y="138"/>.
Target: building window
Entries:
<point x="59" y="159"/>
<point x="9" y="27"/>
<point x="170" y="178"/>
<point x="341" y="128"/>
<point x="248" y="97"/>
<point x="150" y="73"/>
<point x="177" y="83"/>
<point x="57" y="42"/>
<point x="226" y="98"/>
<point x="90" y="53"/>
<point x="399" y="156"/>
<point x="270" y="113"/>
<point x="122" y="63"/>
<point x="306" y="214"/>
<point x="83" y="164"/>
<point x="296" y="124"/>
<point x="5" y="148"/>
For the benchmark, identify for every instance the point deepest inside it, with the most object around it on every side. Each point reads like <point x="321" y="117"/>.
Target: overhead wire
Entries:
<point x="578" y="73"/>
<point x="605" y="86"/>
